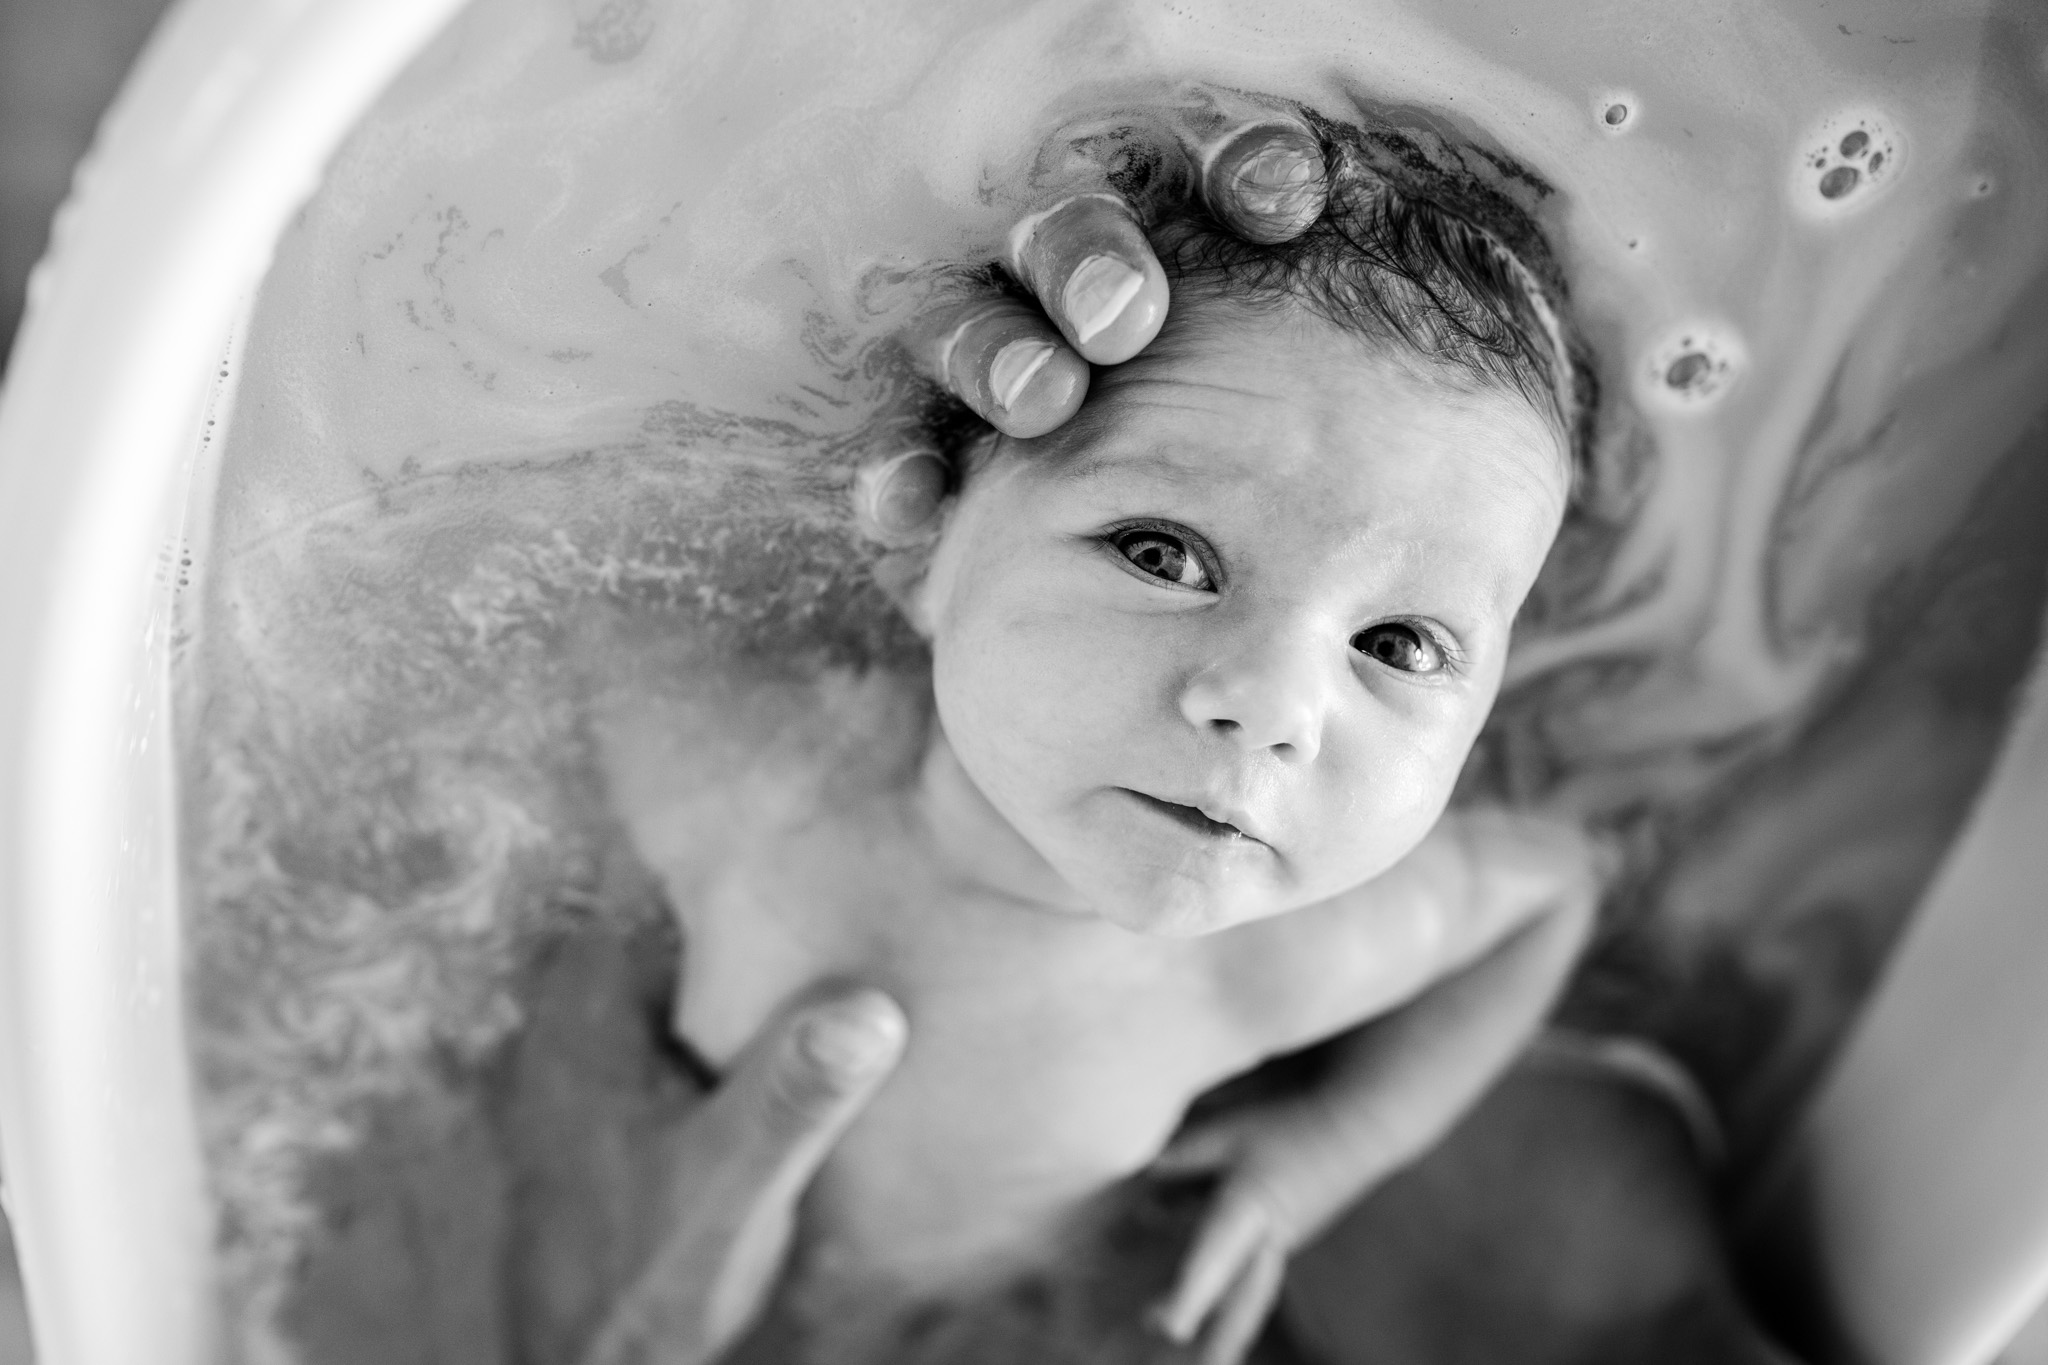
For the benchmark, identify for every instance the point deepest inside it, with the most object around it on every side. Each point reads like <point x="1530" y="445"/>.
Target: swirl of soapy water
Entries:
<point x="396" y="801"/>
<point x="396" y="775"/>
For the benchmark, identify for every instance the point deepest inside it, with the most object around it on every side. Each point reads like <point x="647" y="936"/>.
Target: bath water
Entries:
<point x="547" y="418"/>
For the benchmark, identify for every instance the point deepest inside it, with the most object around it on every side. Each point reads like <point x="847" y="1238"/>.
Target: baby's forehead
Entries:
<point x="1251" y="395"/>
<point x="1306" y="443"/>
<point x="1219" y="412"/>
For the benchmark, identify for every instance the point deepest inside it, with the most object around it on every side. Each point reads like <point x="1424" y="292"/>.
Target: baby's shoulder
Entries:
<point x="1319" y="970"/>
<point x="1480" y="875"/>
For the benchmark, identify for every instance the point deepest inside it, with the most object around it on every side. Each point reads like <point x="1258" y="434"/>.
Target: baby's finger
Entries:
<point x="1094" y="273"/>
<point x="1000" y="358"/>
<point x="1245" y="1311"/>
<point x="1229" y="1238"/>
<point x="1208" y="1147"/>
<point x="1266" y="181"/>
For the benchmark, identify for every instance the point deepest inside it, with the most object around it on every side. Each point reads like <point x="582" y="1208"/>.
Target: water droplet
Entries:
<point x="1845" y="160"/>
<point x="1691" y="367"/>
<point x="1614" y="110"/>
<point x="1687" y="370"/>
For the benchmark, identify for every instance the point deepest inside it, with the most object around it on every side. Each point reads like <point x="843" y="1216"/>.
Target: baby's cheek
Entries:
<point x="1011" y="709"/>
<point x="1387" y="799"/>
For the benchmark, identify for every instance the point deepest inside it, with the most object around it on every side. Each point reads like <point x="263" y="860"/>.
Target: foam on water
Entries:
<point x="556" y="394"/>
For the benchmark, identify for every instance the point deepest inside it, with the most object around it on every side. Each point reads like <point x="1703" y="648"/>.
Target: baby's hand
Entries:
<point x="1287" y="1169"/>
<point x="1514" y="896"/>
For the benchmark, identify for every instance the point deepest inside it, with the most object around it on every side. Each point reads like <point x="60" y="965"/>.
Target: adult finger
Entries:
<point x="742" y="1162"/>
<point x="1266" y="180"/>
<point x="898" y="498"/>
<point x="1087" y="260"/>
<point x="791" y="1096"/>
<point x="1001" y="358"/>
<point x="770" y="1126"/>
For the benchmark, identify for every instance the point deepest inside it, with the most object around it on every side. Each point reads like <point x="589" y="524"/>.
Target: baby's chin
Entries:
<point x="1173" y="907"/>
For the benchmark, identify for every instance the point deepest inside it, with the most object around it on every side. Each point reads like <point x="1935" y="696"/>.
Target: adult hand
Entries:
<point x="740" y="1165"/>
<point x="1081" y="252"/>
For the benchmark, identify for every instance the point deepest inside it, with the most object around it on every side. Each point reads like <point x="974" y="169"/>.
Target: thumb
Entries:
<point x="741" y="1164"/>
<point x="793" y="1093"/>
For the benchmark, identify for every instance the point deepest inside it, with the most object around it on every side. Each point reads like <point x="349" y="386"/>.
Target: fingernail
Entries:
<point x="902" y="495"/>
<point x="852" y="1042"/>
<point x="1278" y="170"/>
<point x="1097" y="292"/>
<point x="1014" y="367"/>
<point x="1268" y="183"/>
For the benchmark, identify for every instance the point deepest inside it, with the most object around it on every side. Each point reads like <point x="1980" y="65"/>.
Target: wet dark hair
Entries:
<point x="1397" y="268"/>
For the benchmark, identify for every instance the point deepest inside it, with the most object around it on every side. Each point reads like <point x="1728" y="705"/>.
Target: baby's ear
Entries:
<point x="904" y="577"/>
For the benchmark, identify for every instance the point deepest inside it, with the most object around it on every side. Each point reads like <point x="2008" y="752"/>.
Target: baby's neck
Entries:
<point x="909" y="888"/>
<point x="972" y="840"/>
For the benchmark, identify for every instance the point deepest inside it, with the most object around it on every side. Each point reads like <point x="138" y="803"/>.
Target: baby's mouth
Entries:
<point x="1192" y="819"/>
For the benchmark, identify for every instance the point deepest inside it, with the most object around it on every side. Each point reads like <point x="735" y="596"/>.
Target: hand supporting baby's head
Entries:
<point x="1218" y="648"/>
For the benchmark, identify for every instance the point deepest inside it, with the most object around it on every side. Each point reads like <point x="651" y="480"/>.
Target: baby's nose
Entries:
<point x="1267" y="701"/>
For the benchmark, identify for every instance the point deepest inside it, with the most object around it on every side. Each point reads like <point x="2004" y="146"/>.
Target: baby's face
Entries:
<point x="1218" y="649"/>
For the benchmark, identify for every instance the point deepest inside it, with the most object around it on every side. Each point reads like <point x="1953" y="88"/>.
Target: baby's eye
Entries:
<point x="1400" y="646"/>
<point x="1162" y="555"/>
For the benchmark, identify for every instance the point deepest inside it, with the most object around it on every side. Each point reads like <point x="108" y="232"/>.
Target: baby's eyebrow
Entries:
<point x="1155" y="463"/>
<point x="1114" y="442"/>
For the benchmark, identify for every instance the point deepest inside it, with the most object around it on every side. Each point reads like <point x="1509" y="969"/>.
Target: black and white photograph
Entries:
<point x="1023" y="682"/>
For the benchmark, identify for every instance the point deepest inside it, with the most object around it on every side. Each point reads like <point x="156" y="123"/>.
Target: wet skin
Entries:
<point x="1217" y="649"/>
<point x="1206" y="667"/>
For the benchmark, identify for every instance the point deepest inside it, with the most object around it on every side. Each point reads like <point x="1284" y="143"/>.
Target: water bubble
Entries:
<point x="1983" y="188"/>
<point x="1688" y="370"/>
<point x="1615" y="110"/>
<point x="1844" y="161"/>
<point x="1692" y="367"/>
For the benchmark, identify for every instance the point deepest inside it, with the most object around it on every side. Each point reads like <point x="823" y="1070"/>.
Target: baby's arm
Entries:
<point x="1394" y="1086"/>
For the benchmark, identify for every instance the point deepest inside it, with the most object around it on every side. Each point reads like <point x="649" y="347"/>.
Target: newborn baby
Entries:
<point x="1206" y="663"/>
